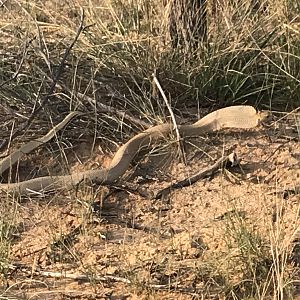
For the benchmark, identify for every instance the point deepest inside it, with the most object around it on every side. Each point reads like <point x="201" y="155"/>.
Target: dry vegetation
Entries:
<point x="229" y="237"/>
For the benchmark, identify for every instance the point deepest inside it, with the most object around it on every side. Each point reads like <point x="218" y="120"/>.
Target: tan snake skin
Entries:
<point x="241" y="117"/>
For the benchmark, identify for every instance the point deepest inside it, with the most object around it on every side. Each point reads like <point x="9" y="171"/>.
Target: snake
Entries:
<point x="239" y="117"/>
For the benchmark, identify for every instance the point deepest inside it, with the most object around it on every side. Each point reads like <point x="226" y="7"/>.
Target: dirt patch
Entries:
<point x="204" y="239"/>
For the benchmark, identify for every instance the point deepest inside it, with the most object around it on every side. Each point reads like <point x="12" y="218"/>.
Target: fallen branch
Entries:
<point x="82" y="277"/>
<point x="176" y="287"/>
<point x="66" y="275"/>
<point x="230" y="159"/>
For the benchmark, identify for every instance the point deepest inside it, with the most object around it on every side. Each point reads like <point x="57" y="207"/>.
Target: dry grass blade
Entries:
<point x="168" y="106"/>
<point x="52" y="86"/>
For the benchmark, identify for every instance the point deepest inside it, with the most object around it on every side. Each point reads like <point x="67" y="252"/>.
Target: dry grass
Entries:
<point x="249" y="57"/>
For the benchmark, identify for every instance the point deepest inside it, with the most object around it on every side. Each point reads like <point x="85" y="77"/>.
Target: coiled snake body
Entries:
<point x="241" y="117"/>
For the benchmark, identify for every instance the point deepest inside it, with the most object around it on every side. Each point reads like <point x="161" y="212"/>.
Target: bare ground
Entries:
<point x="203" y="241"/>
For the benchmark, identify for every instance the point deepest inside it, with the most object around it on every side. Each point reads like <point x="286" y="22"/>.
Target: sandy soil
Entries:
<point x="189" y="245"/>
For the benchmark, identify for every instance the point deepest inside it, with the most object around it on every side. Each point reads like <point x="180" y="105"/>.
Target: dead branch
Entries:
<point x="230" y="159"/>
<point x="105" y="278"/>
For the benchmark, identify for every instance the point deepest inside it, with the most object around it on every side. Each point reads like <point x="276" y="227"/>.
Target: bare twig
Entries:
<point x="171" y="114"/>
<point x="3" y="3"/>
<point x="209" y="171"/>
<point x="105" y="278"/>
<point x="83" y="276"/>
<point x="168" y="106"/>
<point x="67" y="275"/>
<point x="285" y="115"/>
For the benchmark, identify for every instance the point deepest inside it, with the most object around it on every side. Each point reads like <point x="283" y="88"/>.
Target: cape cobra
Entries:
<point x="241" y="117"/>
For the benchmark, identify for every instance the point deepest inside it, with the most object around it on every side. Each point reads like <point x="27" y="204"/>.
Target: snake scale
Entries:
<point x="241" y="117"/>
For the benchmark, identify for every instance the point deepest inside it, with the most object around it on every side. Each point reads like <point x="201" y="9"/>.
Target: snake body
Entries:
<point x="241" y="117"/>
